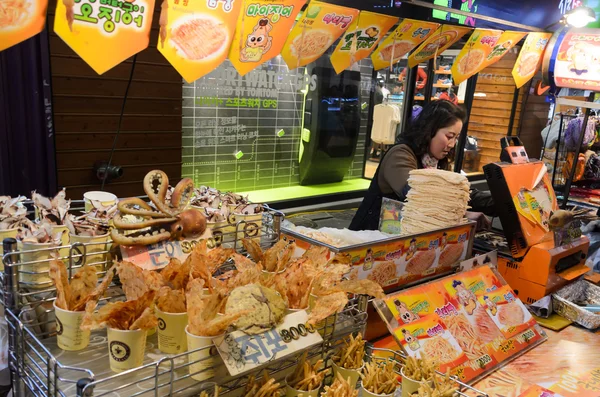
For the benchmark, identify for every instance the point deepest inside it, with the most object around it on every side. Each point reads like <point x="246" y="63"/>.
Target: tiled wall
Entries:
<point x="218" y="126"/>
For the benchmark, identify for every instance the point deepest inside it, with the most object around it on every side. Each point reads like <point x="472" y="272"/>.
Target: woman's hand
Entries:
<point x="483" y="223"/>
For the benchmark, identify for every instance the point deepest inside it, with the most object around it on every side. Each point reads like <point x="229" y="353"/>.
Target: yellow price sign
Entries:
<point x="530" y="58"/>
<point x="20" y="20"/>
<point x="195" y="35"/>
<point x="104" y="33"/>
<point x="261" y="30"/>
<point x="472" y="57"/>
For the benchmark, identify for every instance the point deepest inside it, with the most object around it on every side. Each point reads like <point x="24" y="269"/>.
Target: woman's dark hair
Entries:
<point x="435" y="116"/>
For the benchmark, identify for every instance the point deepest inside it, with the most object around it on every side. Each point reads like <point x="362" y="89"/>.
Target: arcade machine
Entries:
<point x="331" y="126"/>
<point x="531" y="256"/>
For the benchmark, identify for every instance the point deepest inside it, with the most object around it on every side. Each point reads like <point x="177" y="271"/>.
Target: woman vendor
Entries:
<point x="425" y="144"/>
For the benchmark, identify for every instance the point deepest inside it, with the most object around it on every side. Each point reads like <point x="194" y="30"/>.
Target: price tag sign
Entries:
<point x="242" y="352"/>
<point x="156" y="256"/>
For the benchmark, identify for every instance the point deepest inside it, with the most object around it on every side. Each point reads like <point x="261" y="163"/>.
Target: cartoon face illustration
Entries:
<point x="491" y="305"/>
<point x="369" y="255"/>
<point x="372" y="31"/>
<point x="444" y="240"/>
<point x="413" y="343"/>
<point x="404" y="313"/>
<point x="475" y="263"/>
<point x="465" y="297"/>
<point x="258" y="42"/>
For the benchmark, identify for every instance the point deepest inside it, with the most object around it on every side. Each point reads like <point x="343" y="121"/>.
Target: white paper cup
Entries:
<point x="204" y="360"/>
<point x="69" y="335"/>
<point x="8" y="233"/>
<point x="105" y="198"/>
<point x="366" y="393"/>
<point x="92" y="255"/>
<point x="409" y="386"/>
<point x="291" y="392"/>
<point x="352" y="374"/>
<point x="40" y="279"/>
<point x="171" y="332"/>
<point x="126" y="349"/>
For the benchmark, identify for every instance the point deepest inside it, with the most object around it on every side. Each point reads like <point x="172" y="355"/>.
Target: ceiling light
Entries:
<point x="580" y="17"/>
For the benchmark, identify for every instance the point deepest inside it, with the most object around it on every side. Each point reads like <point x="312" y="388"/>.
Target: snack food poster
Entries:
<point x="20" y="20"/>
<point x="504" y="44"/>
<point x="261" y="30"/>
<point x="319" y="26"/>
<point x="577" y="63"/>
<point x="360" y="39"/>
<point x="104" y="33"/>
<point x="460" y="303"/>
<point x="438" y="42"/>
<point x="408" y="35"/>
<point x="195" y="35"/>
<point x="471" y="58"/>
<point x="530" y="58"/>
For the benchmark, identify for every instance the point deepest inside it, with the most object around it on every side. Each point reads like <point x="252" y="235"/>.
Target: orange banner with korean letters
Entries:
<point x="319" y="26"/>
<point x="20" y="20"/>
<point x="505" y="43"/>
<point x="530" y="58"/>
<point x="438" y="42"/>
<point x="104" y="33"/>
<point x="261" y="30"/>
<point x="196" y="34"/>
<point x="407" y="36"/>
<point x="473" y="55"/>
<point x="360" y="39"/>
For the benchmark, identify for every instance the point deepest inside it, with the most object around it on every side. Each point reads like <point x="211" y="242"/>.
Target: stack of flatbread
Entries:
<point x="437" y="199"/>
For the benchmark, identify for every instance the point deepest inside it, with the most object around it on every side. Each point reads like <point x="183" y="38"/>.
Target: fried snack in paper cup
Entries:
<point x="126" y="348"/>
<point x="203" y="362"/>
<point x="171" y="332"/>
<point x="352" y="374"/>
<point x="40" y="279"/>
<point x="410" y="386"/>
<point x="69" y="335"/>
<point x="105" y="198"/>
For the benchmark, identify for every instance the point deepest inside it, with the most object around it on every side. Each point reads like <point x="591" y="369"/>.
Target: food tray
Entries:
<point x="565" y="302"/>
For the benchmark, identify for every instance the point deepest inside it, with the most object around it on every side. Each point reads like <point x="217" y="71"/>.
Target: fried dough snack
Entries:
<point x="265" y="387"/>
<point x="340" y="388"/>
<point x="307" y="377"/>
<point x="419" y="369"/>
<point x="137" y="282"/>
<point x="130" y="315"/>
<point x="442" y="387"/>
<point x="176" y="274"/>
<point x="379" y="377"/>
<point x="351" y="355"/>
<point x="171" y="300"/>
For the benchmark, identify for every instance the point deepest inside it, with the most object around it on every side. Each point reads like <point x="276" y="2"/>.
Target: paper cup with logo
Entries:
<point x="292" y="392"/>
<point x="69" y="334"/>
<point x="35" y="275"/>
<point x="366" y="393"/>
<point x="95" y="253"/>
<point x="105" y="198"/>
<point x="352" y="374"/>
<point x="409" y="386"/>
<point x="8" y="233"/>
<point x="126" y="349"/>
<point x="171" y="332"/>
<point x="203" y="362"/>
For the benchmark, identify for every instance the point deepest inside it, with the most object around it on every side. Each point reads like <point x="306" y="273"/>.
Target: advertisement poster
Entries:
<point x="20" y="20"/>
<point x="536" y="205"/>
<point x="360" y="39"/>
<point x="473" y="55"/>
<point x="437" y="43"/>
<point x="407" y="36"/>
<point x="104" y="33"/>
<point x="577" y="63"/>
<point x="195" y="35"/>
<point x="504" y="44"/>
<point x="453" y="317"/>
<point x="316" y="30"/>
<point x="261" y="30"/>
<point x="530" y="58"/>
<point x="390" y="219"/>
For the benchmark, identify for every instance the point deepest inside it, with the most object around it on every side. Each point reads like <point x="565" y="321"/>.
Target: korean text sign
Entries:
<point x="104" y="33"/>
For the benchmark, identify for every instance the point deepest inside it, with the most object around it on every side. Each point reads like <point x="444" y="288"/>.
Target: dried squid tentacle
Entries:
<point x="124" y="224"/>
<point x="137" y="206"/>
<point x="156" y="184"/>
<point x="182" y="194"/>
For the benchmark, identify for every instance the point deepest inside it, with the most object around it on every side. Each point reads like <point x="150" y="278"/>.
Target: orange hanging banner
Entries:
<point x="438" y="42"/>
<point x="360" y="39"/>
<point x="20" y="20"/>
<point x="104" y="33"/>
<point x="407" y="36"/>
<point x="530" y="58"/>
<point x="319" y="26"/>
<point x="505" y="43"/>
<point x="471" y="58"/>
<point x="261" y="30"/>
<point x="195" y="35"/>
